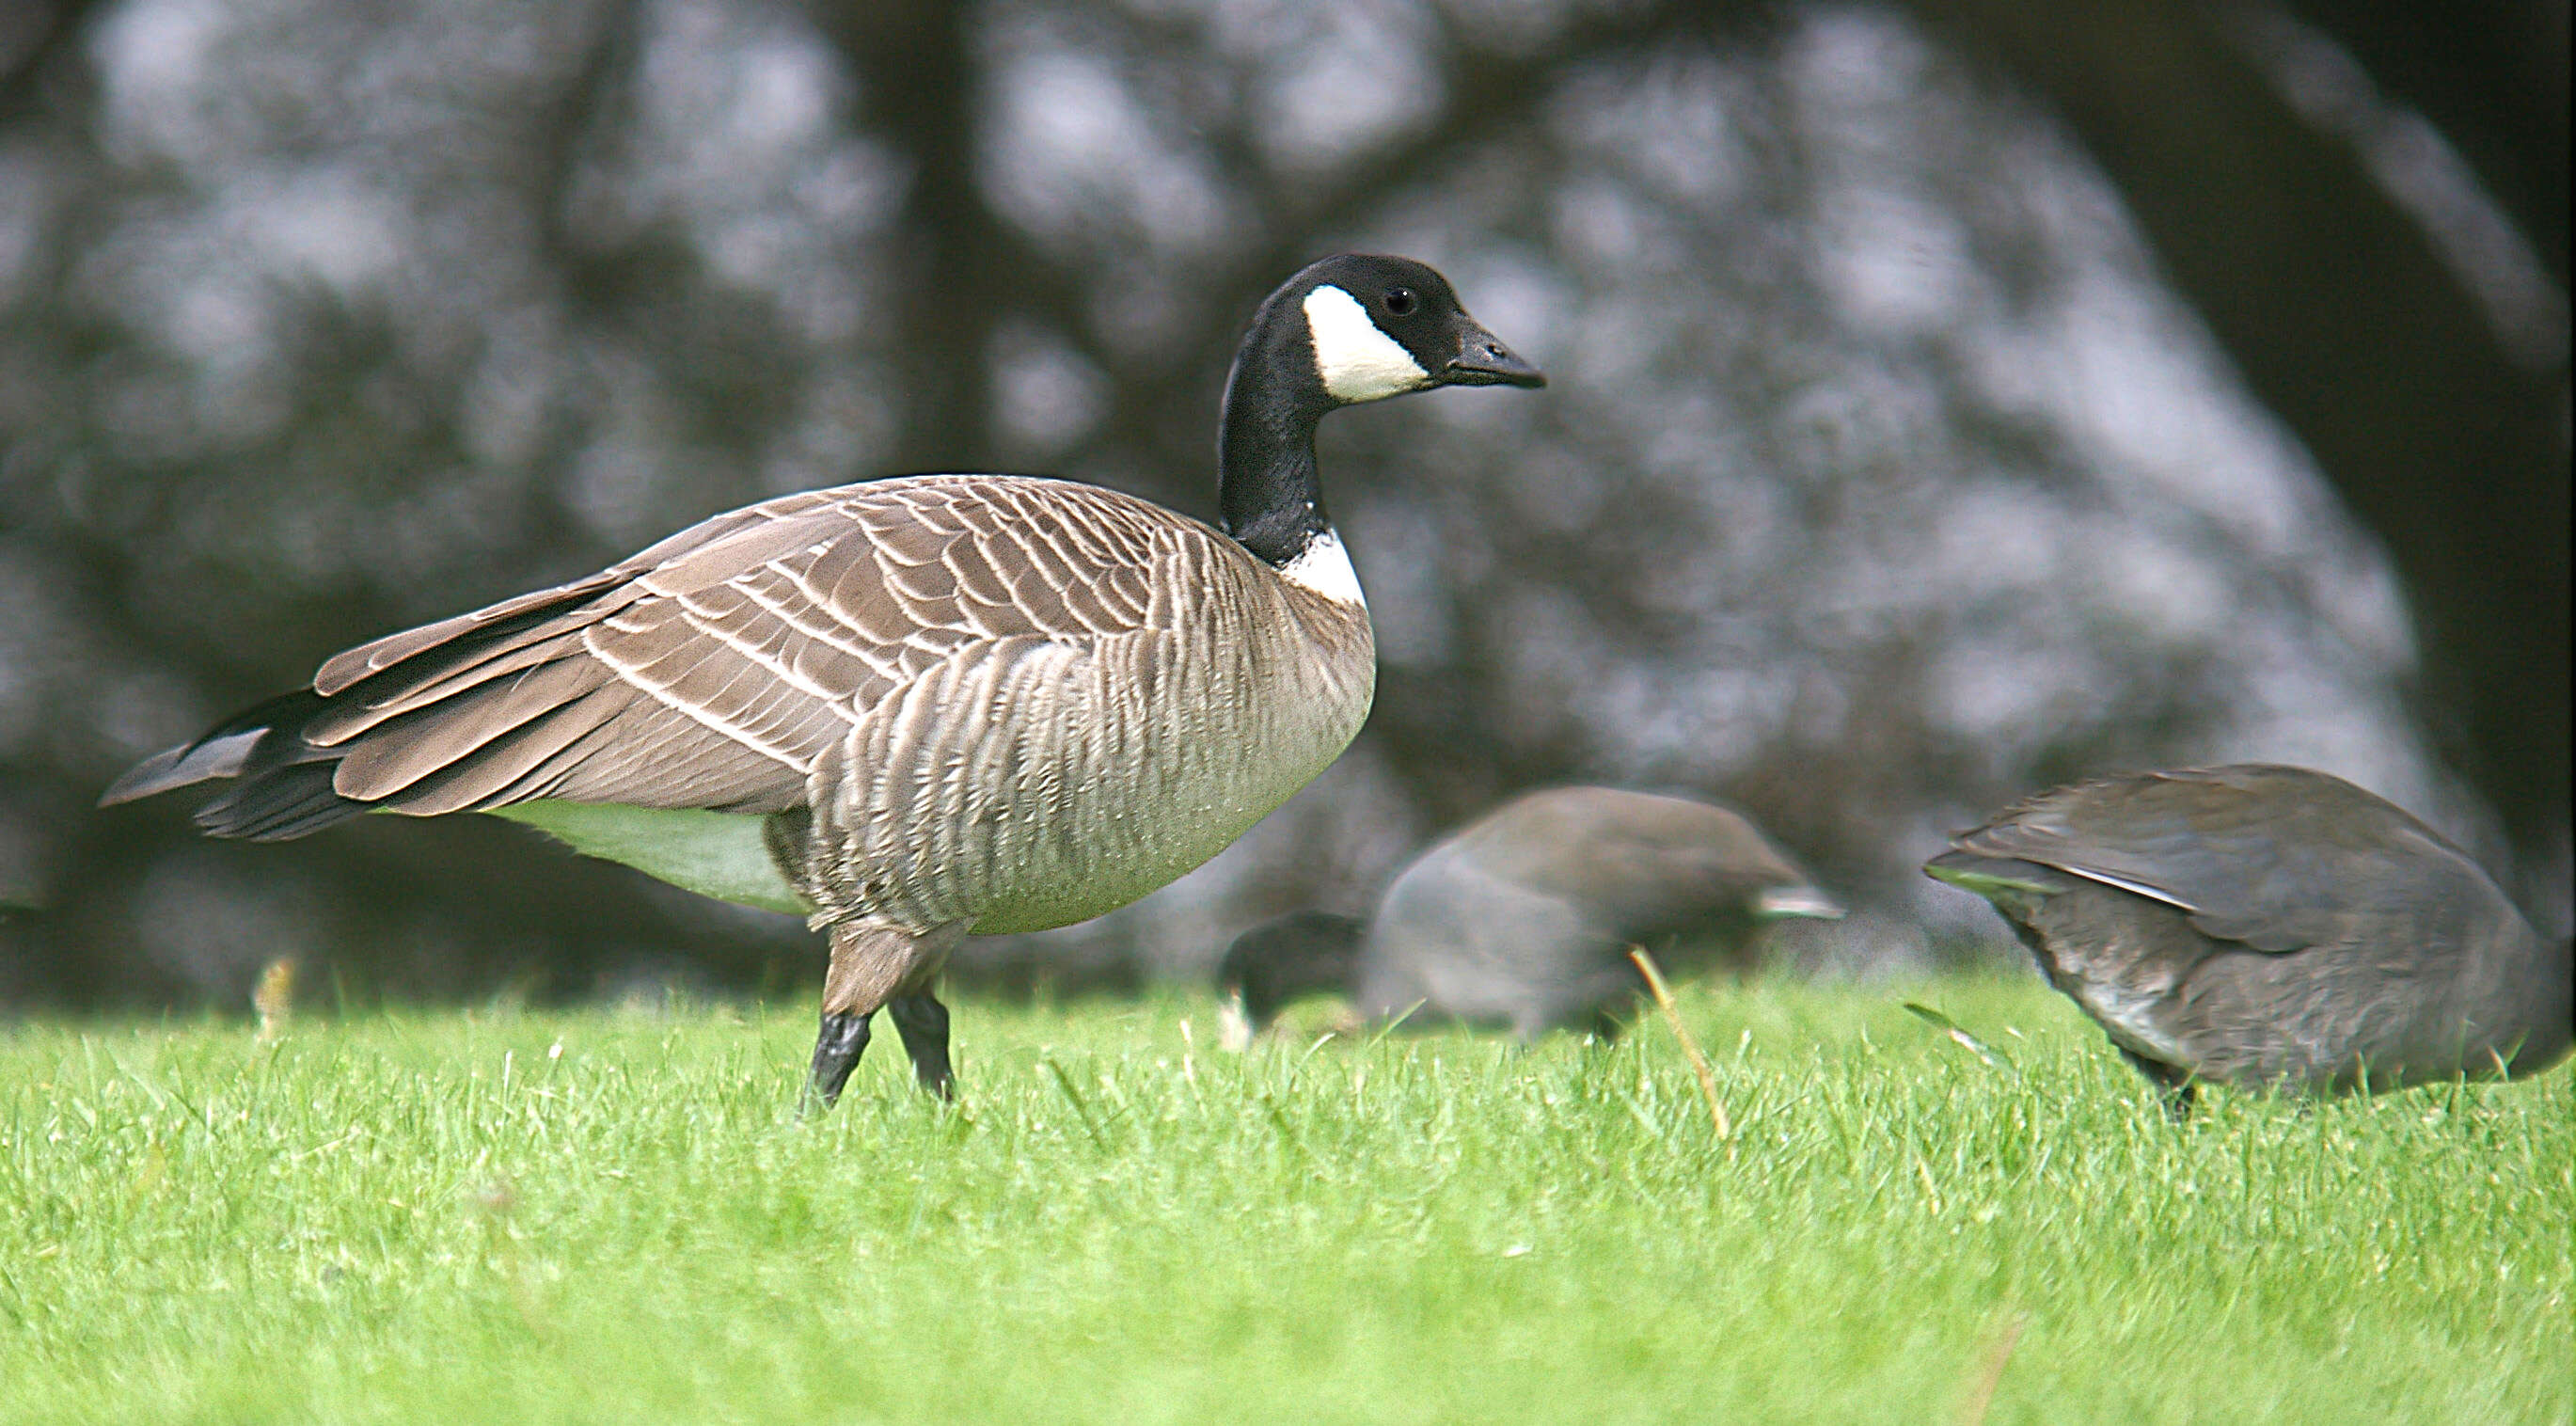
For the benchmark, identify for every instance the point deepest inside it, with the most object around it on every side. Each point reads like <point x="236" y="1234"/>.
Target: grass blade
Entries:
<point x="1699" y="1063"/>
<point x="1073" y="1097"/>
<point x="1994" y="1058"/>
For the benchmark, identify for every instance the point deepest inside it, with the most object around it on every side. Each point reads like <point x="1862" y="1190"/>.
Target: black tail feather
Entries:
<point x="279" y="804"/>
<point x="281" y="784"/>
<point x="286" y="712"/>
<point x="282" y="781"/>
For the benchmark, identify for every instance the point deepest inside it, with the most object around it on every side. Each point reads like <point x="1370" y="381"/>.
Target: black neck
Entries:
<point x="1266" y="488"/>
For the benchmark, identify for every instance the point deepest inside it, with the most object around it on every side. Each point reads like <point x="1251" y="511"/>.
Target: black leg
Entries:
<point x="2175" y="1087"/>
<point x="923" y="1023"/>
<point x="836" y="1053"/>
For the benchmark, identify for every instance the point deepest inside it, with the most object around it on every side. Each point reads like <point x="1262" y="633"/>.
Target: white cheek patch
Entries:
<point x="1324" y="567"/>
<point x="1356" y="360"/>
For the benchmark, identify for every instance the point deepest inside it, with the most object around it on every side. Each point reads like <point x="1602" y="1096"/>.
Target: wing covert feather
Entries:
<point x="715" y="669"/>
<point x="2277" y="858"/>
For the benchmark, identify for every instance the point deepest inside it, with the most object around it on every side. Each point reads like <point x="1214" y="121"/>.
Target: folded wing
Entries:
<point x="710" y="671"/>
<point x="2276" y="858"/>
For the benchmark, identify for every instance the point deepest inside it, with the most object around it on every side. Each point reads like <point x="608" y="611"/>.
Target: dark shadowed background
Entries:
<point x="1950" y="398"/>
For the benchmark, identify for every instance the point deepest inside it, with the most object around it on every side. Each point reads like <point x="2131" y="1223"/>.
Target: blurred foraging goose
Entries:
<point x="2272" y="927"/>
<point x="1524" y="916"/>
<point x="909" y="708"/>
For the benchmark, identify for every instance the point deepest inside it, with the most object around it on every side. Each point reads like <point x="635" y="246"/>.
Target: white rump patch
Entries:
<point x="1324" y="567"/>
<point x="1356" y="360"/>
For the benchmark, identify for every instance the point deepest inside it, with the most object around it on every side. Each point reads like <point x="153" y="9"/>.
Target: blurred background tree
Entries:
<point x="1951" y="398"/>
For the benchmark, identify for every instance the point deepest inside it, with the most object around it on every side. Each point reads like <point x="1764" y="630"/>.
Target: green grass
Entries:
<point x="601" y="1216"/>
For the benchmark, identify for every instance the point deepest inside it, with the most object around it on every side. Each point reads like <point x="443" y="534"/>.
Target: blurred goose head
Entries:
<point x="1524" y="917"/>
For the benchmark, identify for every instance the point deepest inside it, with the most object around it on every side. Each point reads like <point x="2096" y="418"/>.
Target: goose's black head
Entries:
<point x="1302" y="953"/>
<point x="1352" y="328"/>
<point x="1377" y="326"/>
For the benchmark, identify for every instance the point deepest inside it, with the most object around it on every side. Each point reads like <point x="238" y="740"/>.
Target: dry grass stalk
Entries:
<point x="274" y="997"/>
<point x="1699" y="1063"/>
<point x="1990" y="1369"/>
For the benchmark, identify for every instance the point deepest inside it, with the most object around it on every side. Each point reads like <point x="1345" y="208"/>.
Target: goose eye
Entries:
<point x="1399" y="300"/>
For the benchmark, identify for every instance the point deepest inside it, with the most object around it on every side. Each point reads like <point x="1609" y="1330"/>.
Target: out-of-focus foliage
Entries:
<point x="1882" y="478"/>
